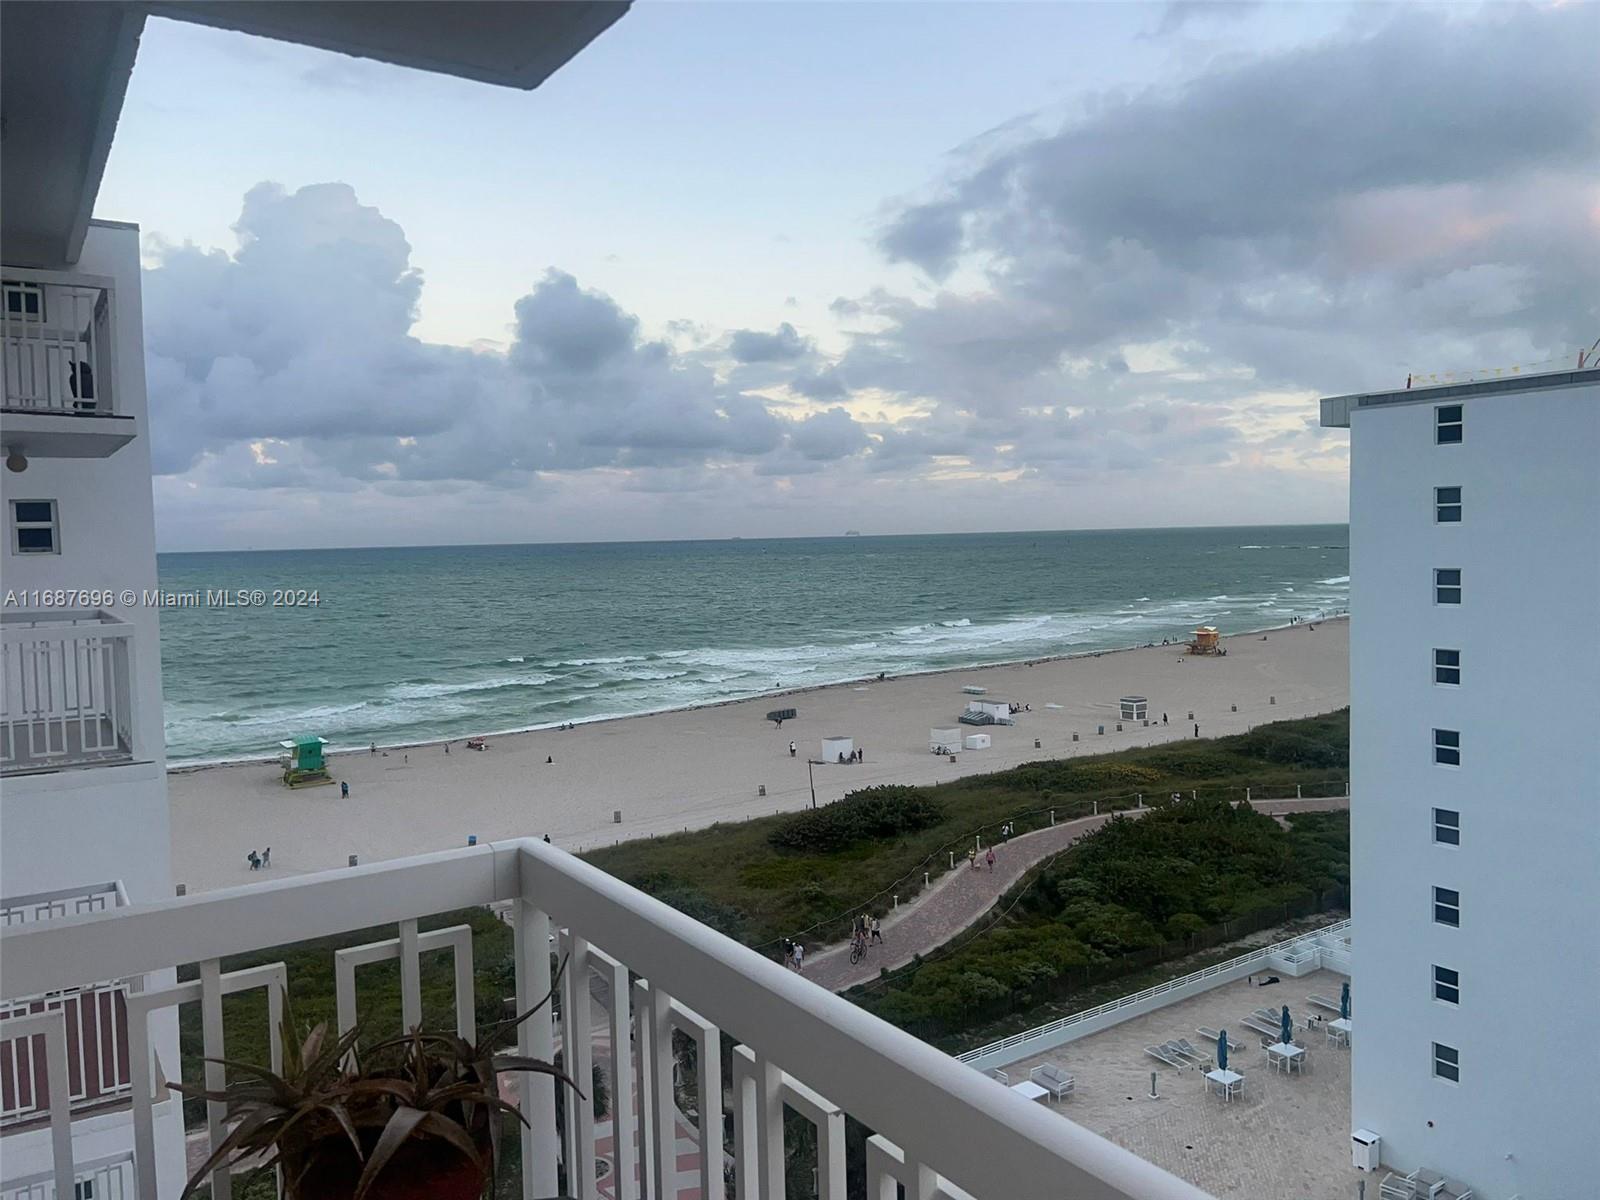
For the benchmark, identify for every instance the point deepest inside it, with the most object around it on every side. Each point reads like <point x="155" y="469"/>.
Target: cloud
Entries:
<point x="754" y="346"/>
<point x="290" y="363"/>
<point x="1419" y="195"/>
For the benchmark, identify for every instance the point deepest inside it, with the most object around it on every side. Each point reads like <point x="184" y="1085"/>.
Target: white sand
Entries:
<point x="688" y="769"/>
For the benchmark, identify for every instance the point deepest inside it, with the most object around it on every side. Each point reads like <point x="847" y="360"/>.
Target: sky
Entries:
<point x="780" y="269"/>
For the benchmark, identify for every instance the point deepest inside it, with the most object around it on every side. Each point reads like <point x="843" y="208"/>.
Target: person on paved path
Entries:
<point x="990" y="858"/>
<point x="972" y="857"/>
<point x="877" y="934"/>
<point x="799" y="958"/>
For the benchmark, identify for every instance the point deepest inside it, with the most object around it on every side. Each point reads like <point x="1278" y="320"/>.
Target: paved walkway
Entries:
<point x="960" y="897"/>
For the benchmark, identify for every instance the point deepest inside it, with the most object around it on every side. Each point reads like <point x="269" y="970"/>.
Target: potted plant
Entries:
<point x="414" y="1117"/>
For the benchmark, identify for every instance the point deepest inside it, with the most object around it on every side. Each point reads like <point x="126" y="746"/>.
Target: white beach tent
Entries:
<point x="944" y="741"/>
<point x="833" y="748"/>
<point x="978" y="741"/>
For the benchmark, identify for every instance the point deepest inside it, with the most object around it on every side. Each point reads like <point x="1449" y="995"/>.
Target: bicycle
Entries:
<point x="858" y="949"/>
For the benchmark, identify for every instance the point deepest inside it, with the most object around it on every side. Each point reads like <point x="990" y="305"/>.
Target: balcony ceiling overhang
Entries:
<point x="65" y="72"/>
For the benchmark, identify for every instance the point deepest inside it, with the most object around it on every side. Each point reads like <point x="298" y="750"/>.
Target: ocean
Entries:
<point x="405" y="645"/>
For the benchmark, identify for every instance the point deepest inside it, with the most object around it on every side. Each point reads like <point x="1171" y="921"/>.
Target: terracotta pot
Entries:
<point x="423" y="1169"/>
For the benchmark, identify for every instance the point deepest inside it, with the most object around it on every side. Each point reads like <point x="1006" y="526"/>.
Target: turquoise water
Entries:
<point x="417" y="643"/>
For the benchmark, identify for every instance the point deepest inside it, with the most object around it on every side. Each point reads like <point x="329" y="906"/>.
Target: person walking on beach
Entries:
<point x="1197" y="729"/>
<point x="373" y="747"/>
<point x="1163" y="718"/>
<point x="990" y="858"/>
<point x="254" y="860"/>
<point x="344" y="790"/>
<point x="792" y="749"/>
<point x="266" y="857"/>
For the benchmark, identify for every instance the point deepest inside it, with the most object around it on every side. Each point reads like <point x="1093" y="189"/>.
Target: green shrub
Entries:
<point x="875" y="812"/>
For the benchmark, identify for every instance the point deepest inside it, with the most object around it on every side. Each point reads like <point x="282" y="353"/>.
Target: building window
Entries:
<point x="1447" y="585"/>
<point x="1447" y="505"/>
<point x="1447" y="907"/>
<point x="1447" y="747"/>
<point x="34" y="529"/>
<point x="1447" y="827"/>
<point x="1446" y="1062"/>
<point x="23" y="301"/>
<point x="1447" y="667"/>
<point x="1447" y="424"/>
<point x="1446" y="985"/>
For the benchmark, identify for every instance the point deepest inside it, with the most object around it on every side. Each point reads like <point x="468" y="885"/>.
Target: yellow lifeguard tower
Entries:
<point x="1206" y="640"/>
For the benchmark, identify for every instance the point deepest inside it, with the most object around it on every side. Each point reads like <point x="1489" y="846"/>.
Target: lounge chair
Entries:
<point x="1183" y="1046"/>
<point x="1429" y="1183"/>
<point x="1272" y="1015"/>
<point x="1053" y="1080"/>
<point x="1212" y="1035"/>
<point x="1271" y="1028"/>
<point x="1397" y="1187"/>
<point x="1457" y="1190"/>
<point x="997" y="1074"/>
<point x="1166" y="1056"/>
<point x="1323" y="1002"/>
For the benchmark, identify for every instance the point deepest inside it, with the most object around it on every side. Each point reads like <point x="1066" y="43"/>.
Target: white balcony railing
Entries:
<point x="940" y="1129"/>
<point x="104" y="1179"/>
<point x="66" y="690"/>
<point x="94" y="1019"/>
<point x="55" y="342"/>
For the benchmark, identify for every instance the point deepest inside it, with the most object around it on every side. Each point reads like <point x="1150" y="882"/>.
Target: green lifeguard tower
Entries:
<point x="302" y="764"/>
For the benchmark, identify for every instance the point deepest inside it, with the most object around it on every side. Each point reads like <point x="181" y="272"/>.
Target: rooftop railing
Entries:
<point x="938" y="1129"/>
<point x="66" y="690"/>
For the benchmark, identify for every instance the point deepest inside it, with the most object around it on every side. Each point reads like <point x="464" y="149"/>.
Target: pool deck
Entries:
<point x="1286" y="1138"/>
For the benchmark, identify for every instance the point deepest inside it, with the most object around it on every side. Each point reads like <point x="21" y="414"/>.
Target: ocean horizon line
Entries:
<point x="850" y="535"/>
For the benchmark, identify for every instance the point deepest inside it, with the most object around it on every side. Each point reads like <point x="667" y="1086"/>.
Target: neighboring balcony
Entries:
<point x="57" y="349"/>
<point x="640" y="981"/>
<point x="94" y="1016"/>
<point x="66" y="691"/>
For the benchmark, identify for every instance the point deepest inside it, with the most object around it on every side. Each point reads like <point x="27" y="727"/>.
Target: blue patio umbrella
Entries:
<point x="1222" y="1050"/>
<point x="1344" y="1000"/>
<point x="1286" y="1026"/>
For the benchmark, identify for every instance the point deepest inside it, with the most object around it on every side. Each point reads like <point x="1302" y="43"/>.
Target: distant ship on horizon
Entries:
<point x="852" y="533"/>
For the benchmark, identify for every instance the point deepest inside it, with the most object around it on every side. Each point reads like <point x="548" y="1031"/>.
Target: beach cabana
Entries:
<point x="944" y="741"/>
<point x="978" y="741"/>
<point x="1134" y="708"/>
<point x="303" y="764"/>
<point x="836" y="748"/>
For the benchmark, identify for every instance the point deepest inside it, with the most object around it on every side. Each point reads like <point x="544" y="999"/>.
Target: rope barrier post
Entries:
<point x="952" y="860"/>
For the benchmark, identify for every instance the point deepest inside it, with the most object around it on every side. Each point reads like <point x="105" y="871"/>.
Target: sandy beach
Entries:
<point x="691" y="768"/>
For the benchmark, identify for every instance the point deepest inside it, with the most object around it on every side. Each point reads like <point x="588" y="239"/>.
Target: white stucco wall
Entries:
<point x="1523" y="1118"/>
<point x="95" y="824"/>
<point x="91" y="825"/>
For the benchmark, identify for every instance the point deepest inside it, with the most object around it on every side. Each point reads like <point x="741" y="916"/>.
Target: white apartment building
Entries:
<point x="1475" y="778"/>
